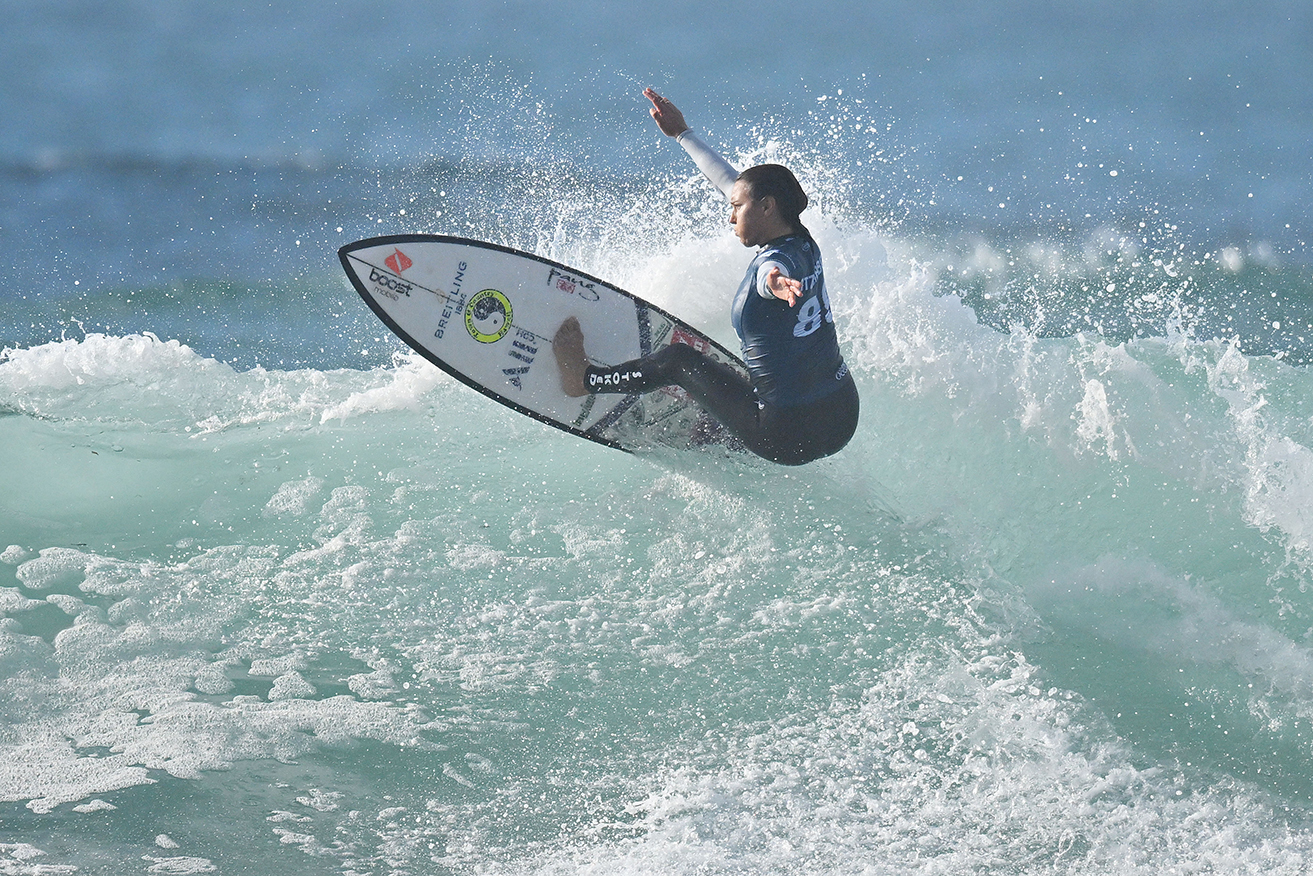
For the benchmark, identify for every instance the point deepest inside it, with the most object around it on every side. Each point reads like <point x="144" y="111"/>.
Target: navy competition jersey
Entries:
<point x="792" y="353"/>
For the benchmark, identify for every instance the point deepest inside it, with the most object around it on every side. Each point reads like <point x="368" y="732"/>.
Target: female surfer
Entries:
<point x="799" y="402"/>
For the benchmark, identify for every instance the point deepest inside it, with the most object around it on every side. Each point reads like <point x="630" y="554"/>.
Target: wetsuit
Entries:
<point x="799" y="403"/>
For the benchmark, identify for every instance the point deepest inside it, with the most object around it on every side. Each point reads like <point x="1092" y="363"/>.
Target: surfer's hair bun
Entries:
<point x="778" y="182"/>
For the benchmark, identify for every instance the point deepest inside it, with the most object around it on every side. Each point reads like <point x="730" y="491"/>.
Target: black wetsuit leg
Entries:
<point x="791" y="435"/>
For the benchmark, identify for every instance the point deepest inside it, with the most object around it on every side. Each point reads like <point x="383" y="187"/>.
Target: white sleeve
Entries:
<point x="715" y="168"/>
<point x="763" y="271"/>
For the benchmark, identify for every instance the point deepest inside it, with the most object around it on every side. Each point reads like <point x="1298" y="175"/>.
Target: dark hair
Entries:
<point x="778" y="182"/>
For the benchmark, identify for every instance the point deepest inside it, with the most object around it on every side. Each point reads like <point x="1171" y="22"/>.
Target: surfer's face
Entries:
<point x="751" y="217"/>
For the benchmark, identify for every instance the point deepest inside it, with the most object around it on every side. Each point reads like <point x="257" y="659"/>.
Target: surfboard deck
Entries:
<point x="486" y="314"/>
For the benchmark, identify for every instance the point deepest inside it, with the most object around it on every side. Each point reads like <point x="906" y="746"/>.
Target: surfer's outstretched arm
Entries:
<point x="671" y="122"/>
<point x="715" y="168"/>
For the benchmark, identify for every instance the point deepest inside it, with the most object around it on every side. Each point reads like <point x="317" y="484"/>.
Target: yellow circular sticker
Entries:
<point x="488" y="316"/>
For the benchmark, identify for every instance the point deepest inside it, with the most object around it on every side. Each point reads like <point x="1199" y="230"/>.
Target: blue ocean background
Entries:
<point x="278" y="596"/>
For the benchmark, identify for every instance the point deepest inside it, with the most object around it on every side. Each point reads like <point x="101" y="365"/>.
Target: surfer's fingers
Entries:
<point x="665" y="112"/>
<point x="783" y="286"/>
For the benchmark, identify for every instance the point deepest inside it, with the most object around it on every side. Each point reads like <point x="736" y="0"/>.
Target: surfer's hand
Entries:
<point x="667" y="116"/>
<point x="783" y="287"/>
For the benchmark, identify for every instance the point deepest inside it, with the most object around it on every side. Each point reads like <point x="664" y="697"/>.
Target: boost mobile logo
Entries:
<point x="398" y="261"/>
<point x="387" y="284"/>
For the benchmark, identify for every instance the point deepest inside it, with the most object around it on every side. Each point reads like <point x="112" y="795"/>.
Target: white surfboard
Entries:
<point x="486" y="314"/>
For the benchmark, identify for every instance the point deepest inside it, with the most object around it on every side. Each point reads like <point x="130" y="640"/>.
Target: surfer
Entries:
<point x="800" y="402"/>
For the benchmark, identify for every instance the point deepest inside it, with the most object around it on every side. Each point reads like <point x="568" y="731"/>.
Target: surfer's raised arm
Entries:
<point x="671" y="122"/>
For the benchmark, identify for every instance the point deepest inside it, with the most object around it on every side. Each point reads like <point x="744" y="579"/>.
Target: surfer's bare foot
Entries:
<point x="568" y="345"/>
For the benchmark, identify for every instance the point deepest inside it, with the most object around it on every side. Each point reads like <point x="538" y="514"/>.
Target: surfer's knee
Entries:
<point x="678" y="356"/>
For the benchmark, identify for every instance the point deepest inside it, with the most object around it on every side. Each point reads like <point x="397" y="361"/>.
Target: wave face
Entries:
<point x="1050" y="606"/>
<point x="276" y="594"/>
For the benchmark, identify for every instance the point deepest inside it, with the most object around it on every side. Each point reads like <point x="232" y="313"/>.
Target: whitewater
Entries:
<point x="1048" y="611"/>
<point x="279" y="596"/>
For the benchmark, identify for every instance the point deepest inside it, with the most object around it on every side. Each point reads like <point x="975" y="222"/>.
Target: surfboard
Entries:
<point x="486" y="314"/>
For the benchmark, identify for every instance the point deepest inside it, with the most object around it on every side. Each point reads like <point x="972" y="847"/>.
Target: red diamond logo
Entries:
<point x="398" y="261"/>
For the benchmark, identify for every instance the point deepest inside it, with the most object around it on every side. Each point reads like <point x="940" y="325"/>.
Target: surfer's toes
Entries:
<point x="568" y="345"/>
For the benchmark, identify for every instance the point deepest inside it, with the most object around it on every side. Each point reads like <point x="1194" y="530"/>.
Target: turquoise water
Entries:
<point x="279" y="596"/>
